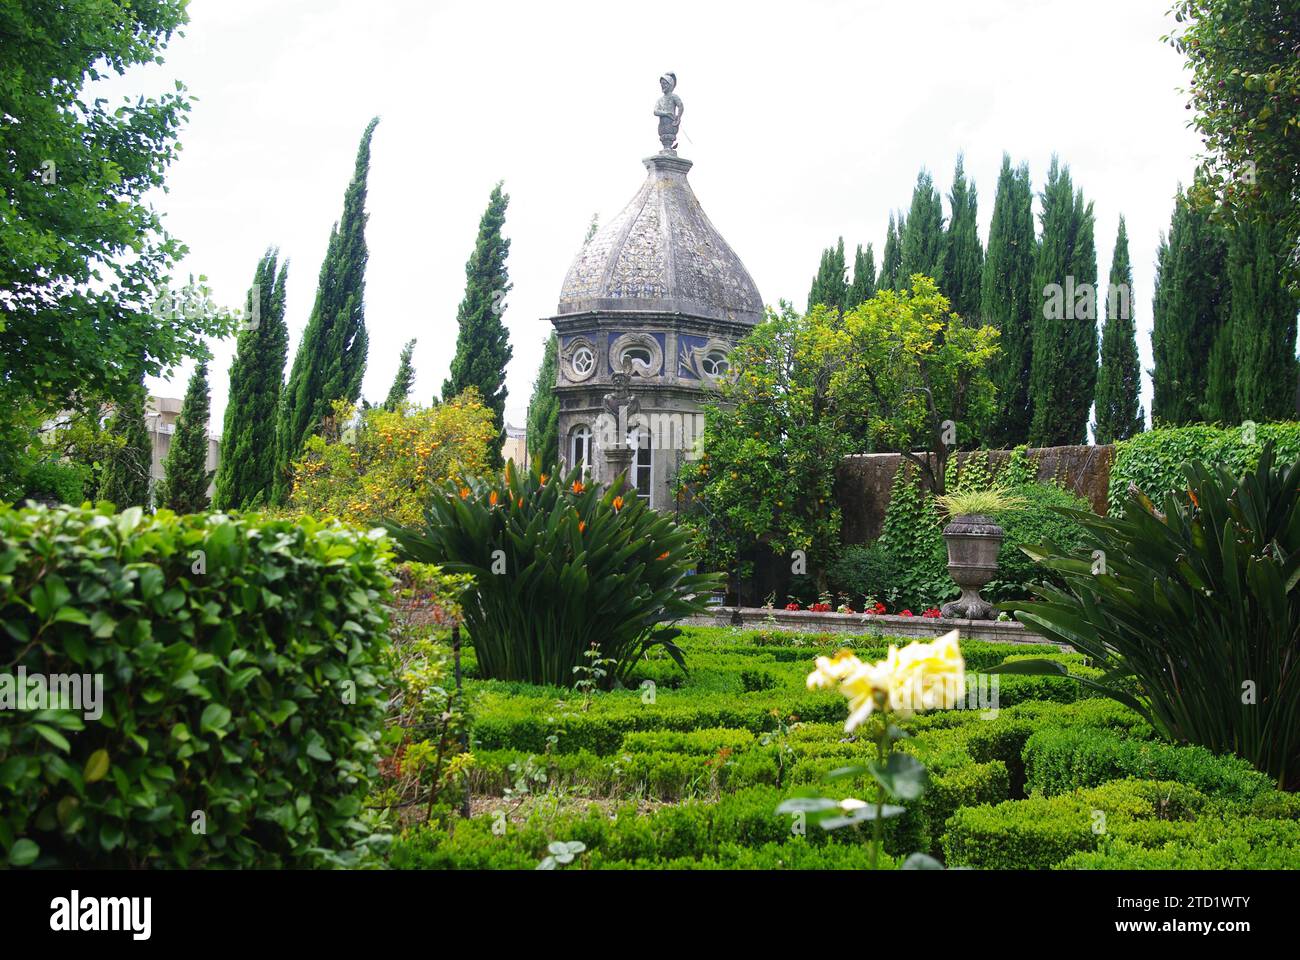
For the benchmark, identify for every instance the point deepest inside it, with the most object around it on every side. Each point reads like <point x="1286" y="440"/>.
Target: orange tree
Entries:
<point x="385" y="465"/>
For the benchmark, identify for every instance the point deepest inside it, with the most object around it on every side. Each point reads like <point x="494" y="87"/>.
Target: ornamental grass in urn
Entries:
<point x="974" y="538"/>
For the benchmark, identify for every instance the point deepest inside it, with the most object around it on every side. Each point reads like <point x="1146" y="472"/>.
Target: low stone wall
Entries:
<point x="863" y="481"/>
<point x="921" y="628"/>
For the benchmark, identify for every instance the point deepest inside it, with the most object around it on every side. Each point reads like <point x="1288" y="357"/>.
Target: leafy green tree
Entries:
<point x="922" y="238"/>
<point x="1119" y="378"/>
<point x="246" y="471"/>
<point x="863" y="287"/>
<point x="126" y="475"/>
<point x="917" y="375"/>
<point x="1063" y="365"/>
<point x="963" y="263"/>
<point x="184" y="487"/>
<point x="771" y="445"/>
<point x="543" y="424"/>
<point x="404" y="379"/>
<point x="483" y="342"/>
<point x="1263" y="323"/>
<point x="829" y="286"/>
<point x="1244" y="56"/>
<point x="82" y="251"/>
<point x="1191" y="307"/>
<point x="891" y="260"/>
<point x="331" y="357"/>
<point x="1007" y="302"/>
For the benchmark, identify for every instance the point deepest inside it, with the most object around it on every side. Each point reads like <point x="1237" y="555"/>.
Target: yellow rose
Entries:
<point x="920" y="677"/>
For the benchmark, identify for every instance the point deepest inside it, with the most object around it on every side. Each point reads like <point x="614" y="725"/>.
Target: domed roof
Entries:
<point x="662" y="254"/>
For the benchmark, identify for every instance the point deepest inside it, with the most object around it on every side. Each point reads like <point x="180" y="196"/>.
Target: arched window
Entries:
<point x="642" y="468"/>
<point x="580" y="448"/>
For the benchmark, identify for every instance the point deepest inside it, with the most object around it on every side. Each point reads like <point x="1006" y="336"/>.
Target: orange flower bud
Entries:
<point x="578" y="486"/>
<point x="493" y="498"/>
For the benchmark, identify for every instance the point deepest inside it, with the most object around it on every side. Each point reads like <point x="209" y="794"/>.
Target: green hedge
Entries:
<point x="741" y="830"/>
<point x="1235" y="845"/>
<point x="1038" y="832"/>
<point x="1153" y="460"/>
<point x="242" y="701"/>
<point x="1063" y="759"/>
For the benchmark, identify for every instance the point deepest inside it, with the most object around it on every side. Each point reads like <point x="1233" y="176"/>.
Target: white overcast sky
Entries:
<point x="806" y="121"/>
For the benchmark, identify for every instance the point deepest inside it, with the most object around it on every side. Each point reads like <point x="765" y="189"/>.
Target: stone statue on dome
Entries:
<point x="669" y="110"/>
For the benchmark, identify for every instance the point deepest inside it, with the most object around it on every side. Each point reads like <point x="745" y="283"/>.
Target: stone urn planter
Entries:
<point x="973" y="544"/>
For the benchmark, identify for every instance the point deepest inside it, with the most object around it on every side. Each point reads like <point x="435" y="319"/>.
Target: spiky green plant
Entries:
<point x="560" y="567"/>
<point x="991" y="501"/>
<point x="1198" y="603"/>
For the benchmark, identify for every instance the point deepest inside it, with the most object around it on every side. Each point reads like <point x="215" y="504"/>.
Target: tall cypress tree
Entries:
<point x="403" y="380"/>
<point x="1007" y="303"/>
<point x="1263" y="322"/>
<point x="1119" y="414"/>
<point x="246" y="470"/>
<point x="863" y="287"/>
<point x="891" y="259"/>
<point x="1063" y="368"/>
<point x="922" y="239"/>
<point x="1191" y="307"/>
<point x="829" y="287"/>
<point x="963" y="262"/>
<point x="1220" y="404"/>
<point x="126" y="475"/>
<point x="483" y="342"/>
<point x="331" y="357"/>
<point x="184" y="486"/>
<point x="544" y="410"/>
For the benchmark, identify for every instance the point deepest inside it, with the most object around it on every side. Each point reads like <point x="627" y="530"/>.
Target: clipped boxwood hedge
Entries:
<point x="741" y="830"/>
<point x="1058" y="760"/>
<point x="1153" y="460"/>
<point x="1211" y="845"/>
<point x="240" y="663"/>
<point x="1038" y="832"/>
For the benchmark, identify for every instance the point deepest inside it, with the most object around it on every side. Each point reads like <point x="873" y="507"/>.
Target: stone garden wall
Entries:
<point x="863" y="482"/>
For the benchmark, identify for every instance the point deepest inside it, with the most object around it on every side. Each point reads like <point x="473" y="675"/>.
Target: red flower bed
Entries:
<point x="933" y="613"/>
<point x="792" y="605"/>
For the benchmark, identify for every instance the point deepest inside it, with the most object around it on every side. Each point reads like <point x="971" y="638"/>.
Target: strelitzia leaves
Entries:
<point x="578" y="572"/>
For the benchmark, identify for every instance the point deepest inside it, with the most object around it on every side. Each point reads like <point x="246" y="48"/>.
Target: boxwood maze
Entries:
<point x="685" y="772"/>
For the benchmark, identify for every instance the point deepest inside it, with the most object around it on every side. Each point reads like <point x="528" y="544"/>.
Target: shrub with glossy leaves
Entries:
<point x="559" y="566"/>
<point x="241" y="689"/>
